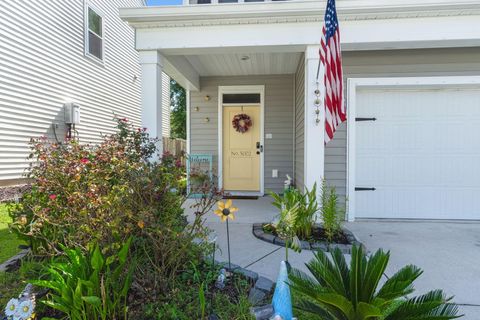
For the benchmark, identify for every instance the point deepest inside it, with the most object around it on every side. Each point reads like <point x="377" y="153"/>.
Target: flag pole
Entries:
<point x="318" y="69"/>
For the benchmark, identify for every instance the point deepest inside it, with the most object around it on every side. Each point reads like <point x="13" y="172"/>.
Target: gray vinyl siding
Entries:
<point x="400" y="63"/>
<point x="278" y="122"/>
<point x="299" y="123"/>
<point x="43" y="65"/>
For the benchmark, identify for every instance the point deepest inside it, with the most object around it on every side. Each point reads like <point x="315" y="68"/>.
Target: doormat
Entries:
<point x="241" y="197"/>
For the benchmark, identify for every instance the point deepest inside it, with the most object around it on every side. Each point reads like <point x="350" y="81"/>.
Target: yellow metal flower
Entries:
<point x="225" y="210"/>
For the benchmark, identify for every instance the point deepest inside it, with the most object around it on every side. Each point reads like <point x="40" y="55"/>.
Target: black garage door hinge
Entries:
<point x="364" y="189"/>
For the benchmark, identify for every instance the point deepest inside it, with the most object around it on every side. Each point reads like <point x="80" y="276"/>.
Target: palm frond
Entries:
<point x="433" y="305"/>
<point x="342" y="267"/>
<point x="357" y="273"/>
<point x="375" y="268"/>
<point x="305" y="286"/>
<point x="400" y="284"/>
<point x="314" y="309"/>
<point x="326" y="273"/>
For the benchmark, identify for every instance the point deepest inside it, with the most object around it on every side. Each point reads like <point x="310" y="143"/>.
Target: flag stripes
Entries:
<point x="331" y="59"/>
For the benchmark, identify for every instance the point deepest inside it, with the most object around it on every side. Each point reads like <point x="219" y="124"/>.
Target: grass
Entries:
<point x="8" y="241"/>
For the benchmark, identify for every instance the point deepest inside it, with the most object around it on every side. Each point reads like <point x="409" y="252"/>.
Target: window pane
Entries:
<point x="94" y="22"/>
<point x="241" y="98"/>
<point x="95" y="45"/>
<point x="254" y="0"/>
<point x="227" y="1"/>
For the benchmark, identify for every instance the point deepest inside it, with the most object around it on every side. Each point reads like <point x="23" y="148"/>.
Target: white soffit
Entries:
<point x="244" y="64"/>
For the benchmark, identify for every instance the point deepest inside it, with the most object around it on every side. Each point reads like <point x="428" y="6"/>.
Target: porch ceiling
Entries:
<point x="242" y="64"/>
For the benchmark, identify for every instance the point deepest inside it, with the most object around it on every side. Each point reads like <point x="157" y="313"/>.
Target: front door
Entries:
<point x="241" y="151"/>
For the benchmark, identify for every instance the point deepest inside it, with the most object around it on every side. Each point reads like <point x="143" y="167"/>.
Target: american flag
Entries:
<point x="331" y="59"/>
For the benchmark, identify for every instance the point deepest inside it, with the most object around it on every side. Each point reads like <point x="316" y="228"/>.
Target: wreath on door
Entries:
<point x="242" y="122"/>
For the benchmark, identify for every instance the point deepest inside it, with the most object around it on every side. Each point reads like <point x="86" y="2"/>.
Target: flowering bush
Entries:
<point x="107" y="193"/>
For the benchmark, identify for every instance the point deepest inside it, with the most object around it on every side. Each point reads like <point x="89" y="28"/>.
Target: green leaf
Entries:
<point x="97" y="259"/>
<point x="93" y="300"/>
<point x="400" y="284"/>
<point x="56" y="306"/>
<point x="123" y="253"/>
<point x="367" y="311"/>
<point x="46" y="284"/>
<point x="375" y="268"/>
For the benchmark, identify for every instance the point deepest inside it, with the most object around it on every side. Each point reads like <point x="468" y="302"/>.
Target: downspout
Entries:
<point x="294" y="162"/>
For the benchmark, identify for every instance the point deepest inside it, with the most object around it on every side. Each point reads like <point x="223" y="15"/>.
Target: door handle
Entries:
<point x="364" y="189"/>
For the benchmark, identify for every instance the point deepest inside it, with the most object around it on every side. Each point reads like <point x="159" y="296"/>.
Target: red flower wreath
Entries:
<point x="242" y="122"/>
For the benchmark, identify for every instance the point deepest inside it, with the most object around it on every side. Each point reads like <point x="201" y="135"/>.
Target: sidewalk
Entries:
<point x="448" y="252"/>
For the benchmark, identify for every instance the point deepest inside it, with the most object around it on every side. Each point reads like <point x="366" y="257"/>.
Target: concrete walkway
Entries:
<point x="448" y="252"/>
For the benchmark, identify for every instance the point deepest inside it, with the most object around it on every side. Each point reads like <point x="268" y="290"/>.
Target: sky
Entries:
<point x="163" y="2"/>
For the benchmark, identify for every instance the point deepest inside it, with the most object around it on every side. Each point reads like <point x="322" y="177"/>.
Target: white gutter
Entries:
<point x="347" y="9"/>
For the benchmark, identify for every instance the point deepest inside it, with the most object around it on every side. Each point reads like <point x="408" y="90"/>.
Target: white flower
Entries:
<point x="25" y="309"/>
<point x="11" y="307"/>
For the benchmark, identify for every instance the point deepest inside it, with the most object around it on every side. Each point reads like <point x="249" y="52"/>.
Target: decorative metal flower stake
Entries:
<point x="225" y="210"/>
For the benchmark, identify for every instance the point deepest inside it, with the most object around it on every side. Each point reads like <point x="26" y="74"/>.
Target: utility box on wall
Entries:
<point x="72" y="113"/>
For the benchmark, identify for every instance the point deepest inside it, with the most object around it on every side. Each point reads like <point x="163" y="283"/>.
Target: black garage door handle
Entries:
<point x="364" y="189"/>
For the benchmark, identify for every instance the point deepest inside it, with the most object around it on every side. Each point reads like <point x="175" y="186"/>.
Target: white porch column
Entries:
<point x="314" y="132"/>
<point x="152" y="66"/>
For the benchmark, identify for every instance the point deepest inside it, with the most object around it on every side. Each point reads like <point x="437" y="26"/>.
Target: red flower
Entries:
<point x="52" y="196"/>
<point x="124" y="119"/>
<point x="84" y="160"/>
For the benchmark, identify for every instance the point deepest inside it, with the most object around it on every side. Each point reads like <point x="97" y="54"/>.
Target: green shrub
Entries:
<point x="341" y="292"/>
<point x="332" y="214"/>
<point x="305" y="206"/>
<point x="89" y="286"/>
<point x="106" y="193"/>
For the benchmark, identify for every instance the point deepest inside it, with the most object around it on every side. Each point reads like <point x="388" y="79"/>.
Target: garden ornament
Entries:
<point x="220" y="283"/>
<point x="282" y="300"/>
<point x="287" y="183"/>
<point x="22" y="308"/>
<point x="226" y="210"/>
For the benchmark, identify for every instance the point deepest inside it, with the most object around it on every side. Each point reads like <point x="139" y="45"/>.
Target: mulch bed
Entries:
<point x="318" y="235"/>
<point x="344" y="240"/>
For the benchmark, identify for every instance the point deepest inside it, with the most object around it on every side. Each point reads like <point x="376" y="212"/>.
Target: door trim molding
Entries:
<point x="378" y="83"/>
<point x="241" y="89"/>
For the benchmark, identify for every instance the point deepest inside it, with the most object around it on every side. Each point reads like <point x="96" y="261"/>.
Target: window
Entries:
<point x="94" y="34"/>
<point x="241" y="98"/>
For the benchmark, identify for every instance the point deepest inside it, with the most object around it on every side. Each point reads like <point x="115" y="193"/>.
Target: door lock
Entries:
<point x="259" y="148"/>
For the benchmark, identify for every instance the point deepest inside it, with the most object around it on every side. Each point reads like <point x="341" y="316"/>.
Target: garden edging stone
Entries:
<point x="14" y="262"/>
<point x="257" y="230"/>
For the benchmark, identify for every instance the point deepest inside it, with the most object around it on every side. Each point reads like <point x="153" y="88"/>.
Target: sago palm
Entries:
<point x="340" y="292"/>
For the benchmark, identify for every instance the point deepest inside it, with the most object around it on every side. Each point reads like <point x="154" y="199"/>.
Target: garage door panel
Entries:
<point x="422" y="154"/>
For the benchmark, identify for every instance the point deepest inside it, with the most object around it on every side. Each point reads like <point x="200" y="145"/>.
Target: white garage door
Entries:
<point x="422" y="154"/>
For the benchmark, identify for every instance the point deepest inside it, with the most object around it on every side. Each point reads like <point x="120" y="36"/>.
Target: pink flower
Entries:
<point x="84" y="160"/>
<point x="52" y="196"/>
<point x="124" y="119"/>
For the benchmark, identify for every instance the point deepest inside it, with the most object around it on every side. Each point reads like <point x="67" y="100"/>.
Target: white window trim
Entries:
<point x="87" y="5"/>
<point x="398" y="83"/>
<point x="241" y="89"/>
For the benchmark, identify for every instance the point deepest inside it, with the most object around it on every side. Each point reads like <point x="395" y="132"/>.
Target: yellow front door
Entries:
<point x="241" y="157"/>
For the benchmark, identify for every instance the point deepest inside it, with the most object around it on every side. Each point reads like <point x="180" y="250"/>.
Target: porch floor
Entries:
<point x="448" y="252"/>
